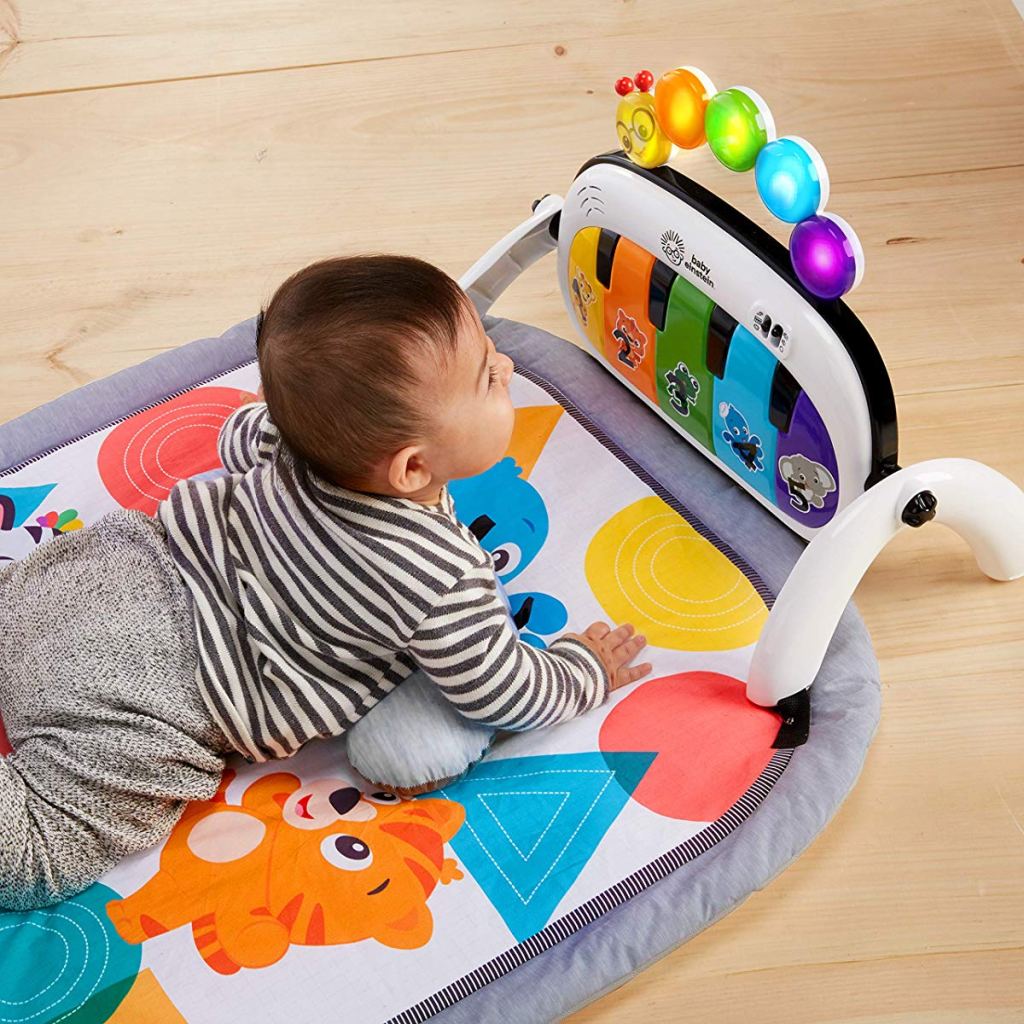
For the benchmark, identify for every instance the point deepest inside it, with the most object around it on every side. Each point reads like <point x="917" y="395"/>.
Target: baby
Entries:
<point x="281" y="601"/>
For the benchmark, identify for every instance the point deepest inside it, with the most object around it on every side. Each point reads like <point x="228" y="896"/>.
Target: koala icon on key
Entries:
<point x="808" y="482"/>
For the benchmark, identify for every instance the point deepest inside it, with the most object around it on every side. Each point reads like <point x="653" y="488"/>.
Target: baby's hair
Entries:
<point x="259" y="326"/>
<point x="346" y="347"/>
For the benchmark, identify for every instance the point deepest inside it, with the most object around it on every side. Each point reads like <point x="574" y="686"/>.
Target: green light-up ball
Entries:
<point x="738" y="124"/>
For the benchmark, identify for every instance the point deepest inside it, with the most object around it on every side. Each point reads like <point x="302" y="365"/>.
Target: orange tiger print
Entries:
<point x="316" y="864"/>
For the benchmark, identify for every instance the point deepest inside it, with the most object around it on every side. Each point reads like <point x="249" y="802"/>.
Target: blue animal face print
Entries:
<point x="746" y="445"/>
<point x="534" y="614"/>
<point x="505" y="513"/>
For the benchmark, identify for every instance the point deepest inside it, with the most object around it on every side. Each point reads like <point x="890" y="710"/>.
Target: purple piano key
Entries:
<point x="806" y="475"/>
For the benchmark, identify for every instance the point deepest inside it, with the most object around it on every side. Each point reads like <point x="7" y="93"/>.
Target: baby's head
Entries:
<point x="379" y="376"/>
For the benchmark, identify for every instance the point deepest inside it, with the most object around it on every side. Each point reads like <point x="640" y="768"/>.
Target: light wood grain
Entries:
<point x="180" y="205"/>
<point x="164" y="166"/>
<point x="71" y="44"/>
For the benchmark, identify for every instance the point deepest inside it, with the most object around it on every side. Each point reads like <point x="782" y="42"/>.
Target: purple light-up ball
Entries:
<point x="827" y="255"/>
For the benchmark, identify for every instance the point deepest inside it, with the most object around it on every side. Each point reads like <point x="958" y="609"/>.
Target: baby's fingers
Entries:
<point x="629" y="649"/>
<point x="631" y="674"/>
<point x="619" y="635"/>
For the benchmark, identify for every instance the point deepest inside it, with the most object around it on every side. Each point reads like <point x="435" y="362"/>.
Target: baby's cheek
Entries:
<point x="507" y="420"/>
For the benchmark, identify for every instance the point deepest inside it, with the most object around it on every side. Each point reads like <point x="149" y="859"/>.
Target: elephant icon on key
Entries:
<point x="808" y="482"/>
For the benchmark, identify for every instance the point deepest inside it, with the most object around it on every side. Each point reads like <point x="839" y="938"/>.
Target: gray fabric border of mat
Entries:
<point x="110" y="399"/>
<point x="846" y="696"/>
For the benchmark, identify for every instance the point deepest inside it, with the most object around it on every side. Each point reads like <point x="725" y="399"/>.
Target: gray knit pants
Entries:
<point x="98" y="694"/>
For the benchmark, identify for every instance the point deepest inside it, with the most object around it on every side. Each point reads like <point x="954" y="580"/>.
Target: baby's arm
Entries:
<point x="472" y="651"/>
<point x="247" y="438"/>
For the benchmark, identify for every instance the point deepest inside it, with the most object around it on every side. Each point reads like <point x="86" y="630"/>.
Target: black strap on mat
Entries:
<point x="796" y="720"/>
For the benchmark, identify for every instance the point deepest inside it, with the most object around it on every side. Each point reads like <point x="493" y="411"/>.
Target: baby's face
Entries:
<point x="474" y="415"/>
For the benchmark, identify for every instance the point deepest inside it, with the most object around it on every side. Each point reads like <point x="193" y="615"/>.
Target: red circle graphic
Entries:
<point x="711" y="742"/>
<point x="144" y="457"/>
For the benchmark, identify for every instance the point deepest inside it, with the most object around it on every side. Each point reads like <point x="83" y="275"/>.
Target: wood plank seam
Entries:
<point x="246" y="71"/>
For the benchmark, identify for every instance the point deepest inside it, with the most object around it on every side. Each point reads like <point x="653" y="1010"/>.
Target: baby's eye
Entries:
<point x="492" y="376"/>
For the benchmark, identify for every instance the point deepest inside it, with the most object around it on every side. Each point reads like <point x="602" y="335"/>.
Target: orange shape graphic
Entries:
<point x="296" y="863"/>
<point x="533" y="427"/>
<point x="146" y="1003"/>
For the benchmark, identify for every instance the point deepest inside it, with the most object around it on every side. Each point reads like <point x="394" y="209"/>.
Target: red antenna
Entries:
<point x="644" y="81"/>
<point x="624" y="85"/>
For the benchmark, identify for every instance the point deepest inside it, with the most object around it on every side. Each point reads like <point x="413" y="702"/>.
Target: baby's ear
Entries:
<point x="408" y="471"/>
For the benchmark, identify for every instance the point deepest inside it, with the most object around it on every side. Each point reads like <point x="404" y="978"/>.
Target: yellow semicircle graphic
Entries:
<point x="648" y="566"/>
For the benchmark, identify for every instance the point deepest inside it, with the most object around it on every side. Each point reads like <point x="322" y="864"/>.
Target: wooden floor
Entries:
<point x="163" y="166"/>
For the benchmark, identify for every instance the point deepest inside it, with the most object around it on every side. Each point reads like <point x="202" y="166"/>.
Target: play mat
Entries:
<point x="465" y="887"/>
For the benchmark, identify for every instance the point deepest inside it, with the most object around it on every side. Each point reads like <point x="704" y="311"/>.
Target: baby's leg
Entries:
<point x="63" y="824"/>
<point x="99" y="696"/>
<point x="415" y="741"/>
<point x="46" y="854"/>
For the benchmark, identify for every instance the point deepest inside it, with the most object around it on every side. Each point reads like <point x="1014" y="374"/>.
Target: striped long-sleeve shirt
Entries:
<point x="312" y="602"/>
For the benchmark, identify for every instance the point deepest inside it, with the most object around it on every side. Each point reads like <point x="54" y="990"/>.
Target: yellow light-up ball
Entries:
<point x="640" y="137"/>
<point x="680" y="99"/>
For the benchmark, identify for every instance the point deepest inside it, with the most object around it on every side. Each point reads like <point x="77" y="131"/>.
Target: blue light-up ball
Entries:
<point x="791" y="179"/>
<point x="827" y="255"/>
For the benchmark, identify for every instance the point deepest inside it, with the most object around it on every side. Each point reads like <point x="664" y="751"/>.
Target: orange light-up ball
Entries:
<point x="680" y="99"/>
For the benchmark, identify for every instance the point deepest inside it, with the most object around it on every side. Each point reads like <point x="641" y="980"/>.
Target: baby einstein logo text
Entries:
<point x="700" y="270"/>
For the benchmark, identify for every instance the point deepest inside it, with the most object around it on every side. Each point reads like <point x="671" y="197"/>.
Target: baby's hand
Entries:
<point x="616" y="648"/>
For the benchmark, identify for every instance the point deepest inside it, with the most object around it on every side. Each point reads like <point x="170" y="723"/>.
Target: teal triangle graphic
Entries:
<point x="532" y="823"/>
<point x="18" y="503"/>
<point x="528" y="816"/>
